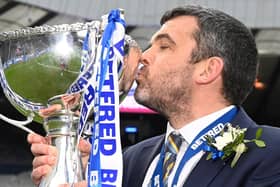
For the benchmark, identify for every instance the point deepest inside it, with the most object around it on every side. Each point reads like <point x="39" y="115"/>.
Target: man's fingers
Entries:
<point x="39" y="172"/>
<point x="36" y="138"/>
<point x="84" y="147"/>
<point x="79" y="184"/>
<point x="43" y="149"/>
<point x="50" y="110"/>
<point x="43" y="160"/>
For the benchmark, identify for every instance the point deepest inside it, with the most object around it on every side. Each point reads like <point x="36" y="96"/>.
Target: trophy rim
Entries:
<point x="25" y="105"/>
<point x="48" y="29"/>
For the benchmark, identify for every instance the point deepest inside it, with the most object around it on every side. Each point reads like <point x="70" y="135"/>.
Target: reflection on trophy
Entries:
<point x="38" y="67"/>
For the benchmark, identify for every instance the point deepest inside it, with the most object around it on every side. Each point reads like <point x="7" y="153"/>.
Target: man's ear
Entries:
<point x="209" y="70"/>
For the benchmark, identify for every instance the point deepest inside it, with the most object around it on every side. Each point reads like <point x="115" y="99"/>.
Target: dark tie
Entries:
<point x="172" y="147"/>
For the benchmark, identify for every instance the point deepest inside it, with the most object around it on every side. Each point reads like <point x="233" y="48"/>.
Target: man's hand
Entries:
<point x="68" y="101"/>
<point x="79" y="184"/>
<point x="84" y="147"/>
<point x="45" y="156"/>
<point x="46" y="112"/>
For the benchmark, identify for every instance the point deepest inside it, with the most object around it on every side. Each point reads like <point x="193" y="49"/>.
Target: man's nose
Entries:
<point x="147" y="57"/>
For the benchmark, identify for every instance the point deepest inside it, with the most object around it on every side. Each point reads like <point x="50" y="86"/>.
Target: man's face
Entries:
<point x="165" y="79"/>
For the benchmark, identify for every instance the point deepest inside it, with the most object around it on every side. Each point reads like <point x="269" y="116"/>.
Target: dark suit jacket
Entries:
<point x="258" y="167"/>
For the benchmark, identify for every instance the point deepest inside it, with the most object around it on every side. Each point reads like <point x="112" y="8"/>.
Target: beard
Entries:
<point x="142" y="95"/>
<point x="165" y="96"/>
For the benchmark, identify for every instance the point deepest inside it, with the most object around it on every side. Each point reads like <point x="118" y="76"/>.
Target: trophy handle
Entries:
<point x="19" y="124"/>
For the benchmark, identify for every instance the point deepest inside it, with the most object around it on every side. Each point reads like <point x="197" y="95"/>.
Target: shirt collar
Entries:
<point x="192" y="129"/>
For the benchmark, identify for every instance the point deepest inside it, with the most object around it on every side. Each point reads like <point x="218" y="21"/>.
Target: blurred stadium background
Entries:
<point x="142" y="17"/>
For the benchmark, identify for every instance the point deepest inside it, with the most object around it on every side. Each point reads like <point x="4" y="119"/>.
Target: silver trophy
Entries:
<point x="38" y="65"/>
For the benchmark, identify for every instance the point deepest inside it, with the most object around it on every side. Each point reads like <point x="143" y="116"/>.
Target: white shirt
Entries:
<point x="189" y="132"/>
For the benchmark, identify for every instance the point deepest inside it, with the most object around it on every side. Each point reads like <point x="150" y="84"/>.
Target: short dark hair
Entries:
<point x="224" y="36"/>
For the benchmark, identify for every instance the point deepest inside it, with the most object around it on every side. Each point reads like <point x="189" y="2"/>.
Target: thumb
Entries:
<point x="79" y="184"/>
<point x="84" y="147"/>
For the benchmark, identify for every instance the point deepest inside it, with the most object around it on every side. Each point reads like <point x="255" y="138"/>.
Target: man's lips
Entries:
<point x="139" y="72"/>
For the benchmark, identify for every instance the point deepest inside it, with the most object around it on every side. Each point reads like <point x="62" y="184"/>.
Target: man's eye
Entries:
<point x="164" y="47"/>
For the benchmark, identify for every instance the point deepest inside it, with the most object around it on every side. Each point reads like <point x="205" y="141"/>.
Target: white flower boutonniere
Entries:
<point x="230" y="141"/>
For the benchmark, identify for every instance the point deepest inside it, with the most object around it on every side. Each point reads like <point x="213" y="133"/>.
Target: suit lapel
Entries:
<point x="150" y="153"/>
<point x="206" y="170"/>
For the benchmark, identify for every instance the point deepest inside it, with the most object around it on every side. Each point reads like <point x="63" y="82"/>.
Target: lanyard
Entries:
<point x="196" y="146"/>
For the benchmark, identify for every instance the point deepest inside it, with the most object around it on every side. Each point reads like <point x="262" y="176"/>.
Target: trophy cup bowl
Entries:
<point x="34" y="69"/>
<point x="37" y="67"/>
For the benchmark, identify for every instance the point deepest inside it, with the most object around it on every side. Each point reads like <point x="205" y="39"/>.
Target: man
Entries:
<point x="199" y="68"/>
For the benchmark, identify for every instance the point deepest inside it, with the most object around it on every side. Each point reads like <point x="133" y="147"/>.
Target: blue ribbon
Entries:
<point x="85" y="52"/>
<point x="113" y="17"/>
<point x="85" y="43"/>
<point x="94" y="161"/>
<point x="215" y="152"/>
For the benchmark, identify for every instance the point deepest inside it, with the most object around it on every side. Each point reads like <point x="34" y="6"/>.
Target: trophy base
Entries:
<point x="61" y="128"/>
